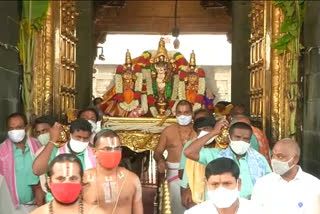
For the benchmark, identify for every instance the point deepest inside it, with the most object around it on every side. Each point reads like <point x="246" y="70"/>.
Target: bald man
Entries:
<point x="288" y="189"/>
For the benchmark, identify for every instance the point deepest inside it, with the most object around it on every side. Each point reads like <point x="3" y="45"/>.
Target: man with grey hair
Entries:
<point x="258" y="140"/>
<point x="288" y="189"/>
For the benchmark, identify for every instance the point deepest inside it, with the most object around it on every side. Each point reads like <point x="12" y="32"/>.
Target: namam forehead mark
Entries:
<point x="112" y="142"/>
<point x="67" y="169"/>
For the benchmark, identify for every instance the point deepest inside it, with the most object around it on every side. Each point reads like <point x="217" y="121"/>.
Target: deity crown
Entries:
<point x="128" y="58"/>
<point x="162" y="51"/>
<point x="192" y="59"/>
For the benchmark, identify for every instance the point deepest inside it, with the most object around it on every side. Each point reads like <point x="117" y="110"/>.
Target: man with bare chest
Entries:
<point x="173" y="139"/>
<point x="114" y="189"/>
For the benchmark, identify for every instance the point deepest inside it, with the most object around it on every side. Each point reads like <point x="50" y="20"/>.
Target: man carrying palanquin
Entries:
<point x="252" y="164"/>
<point x="173" y="139"/>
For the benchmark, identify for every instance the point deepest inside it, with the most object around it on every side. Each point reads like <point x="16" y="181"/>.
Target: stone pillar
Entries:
<point x="311" y="116"/>
<point x="240" y="76"/>
<point x="85" y="54"/>
<point x="10" y="69"/>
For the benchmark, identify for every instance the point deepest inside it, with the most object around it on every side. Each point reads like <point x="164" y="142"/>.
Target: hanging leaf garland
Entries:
<point x="33" y="16"/>
<point x="289" y="43"/>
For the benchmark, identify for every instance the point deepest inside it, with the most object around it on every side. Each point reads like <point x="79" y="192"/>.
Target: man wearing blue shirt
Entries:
<point x="251" y="163"/>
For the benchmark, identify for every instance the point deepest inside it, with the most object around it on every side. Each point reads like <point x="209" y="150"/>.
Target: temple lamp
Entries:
<point x="101" y="55"/>
<point x="175" y="30"/>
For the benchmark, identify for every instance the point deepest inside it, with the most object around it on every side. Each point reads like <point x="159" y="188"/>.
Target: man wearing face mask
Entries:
<point x="115" y="189"/>
<point x="223" y="187"/>
<point x="193" y="173"/>
<point x="288" y="189"/>
<point x="64" y="182"/>
<point x="173" y="139"/>
<point x="42" y="128"/>
<point x="80" y="131"/>
<point x="16" y="156"/>
<point x="92" y="116"/>
<point x="251" y="163"/>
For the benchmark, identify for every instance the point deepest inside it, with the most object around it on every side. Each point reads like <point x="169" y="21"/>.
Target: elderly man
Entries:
<point x="115" y="189"/>
<point x="288" y="189"/>
<point x="65" y="182"/>
<point x="223" y="185"/>
<point x="172" y="139"/>
<point x="252" y="164"/>
<point x="16" y="156"/>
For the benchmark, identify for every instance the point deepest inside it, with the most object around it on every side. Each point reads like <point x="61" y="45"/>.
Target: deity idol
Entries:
<point x="124" y="97"/>
<point x="192" y="85"/>
<point x="159" y="83"/>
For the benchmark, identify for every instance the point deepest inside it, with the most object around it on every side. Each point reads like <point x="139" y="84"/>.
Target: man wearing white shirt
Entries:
<point x="223" y="187"/>
<point x="288" y="189"/>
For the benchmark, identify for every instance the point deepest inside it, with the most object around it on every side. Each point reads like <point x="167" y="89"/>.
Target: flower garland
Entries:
<point x="137" y="88"/>
<point x="180" y="62"/>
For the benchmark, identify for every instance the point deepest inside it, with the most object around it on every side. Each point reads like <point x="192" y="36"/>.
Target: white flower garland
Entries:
<point x="175" y="88"/>
<point x="138" y="83"/>
<point x="119" y="86"/>
<point x="129" y="107"/>
<point x="202" y="86"/>
<point x="144" y="103"/>
<point x="147" y="74"/>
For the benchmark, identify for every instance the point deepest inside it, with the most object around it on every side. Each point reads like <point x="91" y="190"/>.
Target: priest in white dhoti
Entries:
<point x="223" y="188"/>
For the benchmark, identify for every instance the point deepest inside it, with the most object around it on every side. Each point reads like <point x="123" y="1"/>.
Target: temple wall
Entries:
<point x="10" y="70"/>
<point x="311" y="116"/>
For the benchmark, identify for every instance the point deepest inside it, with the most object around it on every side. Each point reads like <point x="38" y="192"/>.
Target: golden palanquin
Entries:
<point x="139" y="134"/>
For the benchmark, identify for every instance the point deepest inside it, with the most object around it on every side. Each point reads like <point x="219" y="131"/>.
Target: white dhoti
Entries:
<point x="174" y="188"/>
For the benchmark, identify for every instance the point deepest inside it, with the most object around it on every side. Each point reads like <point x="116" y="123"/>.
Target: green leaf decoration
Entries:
<point x="33" y="16"/>
<point x="289" y="42"/>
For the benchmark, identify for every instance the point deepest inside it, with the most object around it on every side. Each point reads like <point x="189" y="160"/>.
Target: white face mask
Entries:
<point x="239" y="147"/>
<point x="203" y="133"/>
<point x="44" y="138"/>
<point x="93" y="126"/>
<point x="16" y="136"/>
<point x="281" y="167"/>
<point x="184" y="120"/>
<point x="78" y="146"/>
<point x="222" y="197"/>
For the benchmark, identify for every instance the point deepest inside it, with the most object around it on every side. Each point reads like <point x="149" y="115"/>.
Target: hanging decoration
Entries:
<point x="33" y="16"/>
<point x="289" y="46"/>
